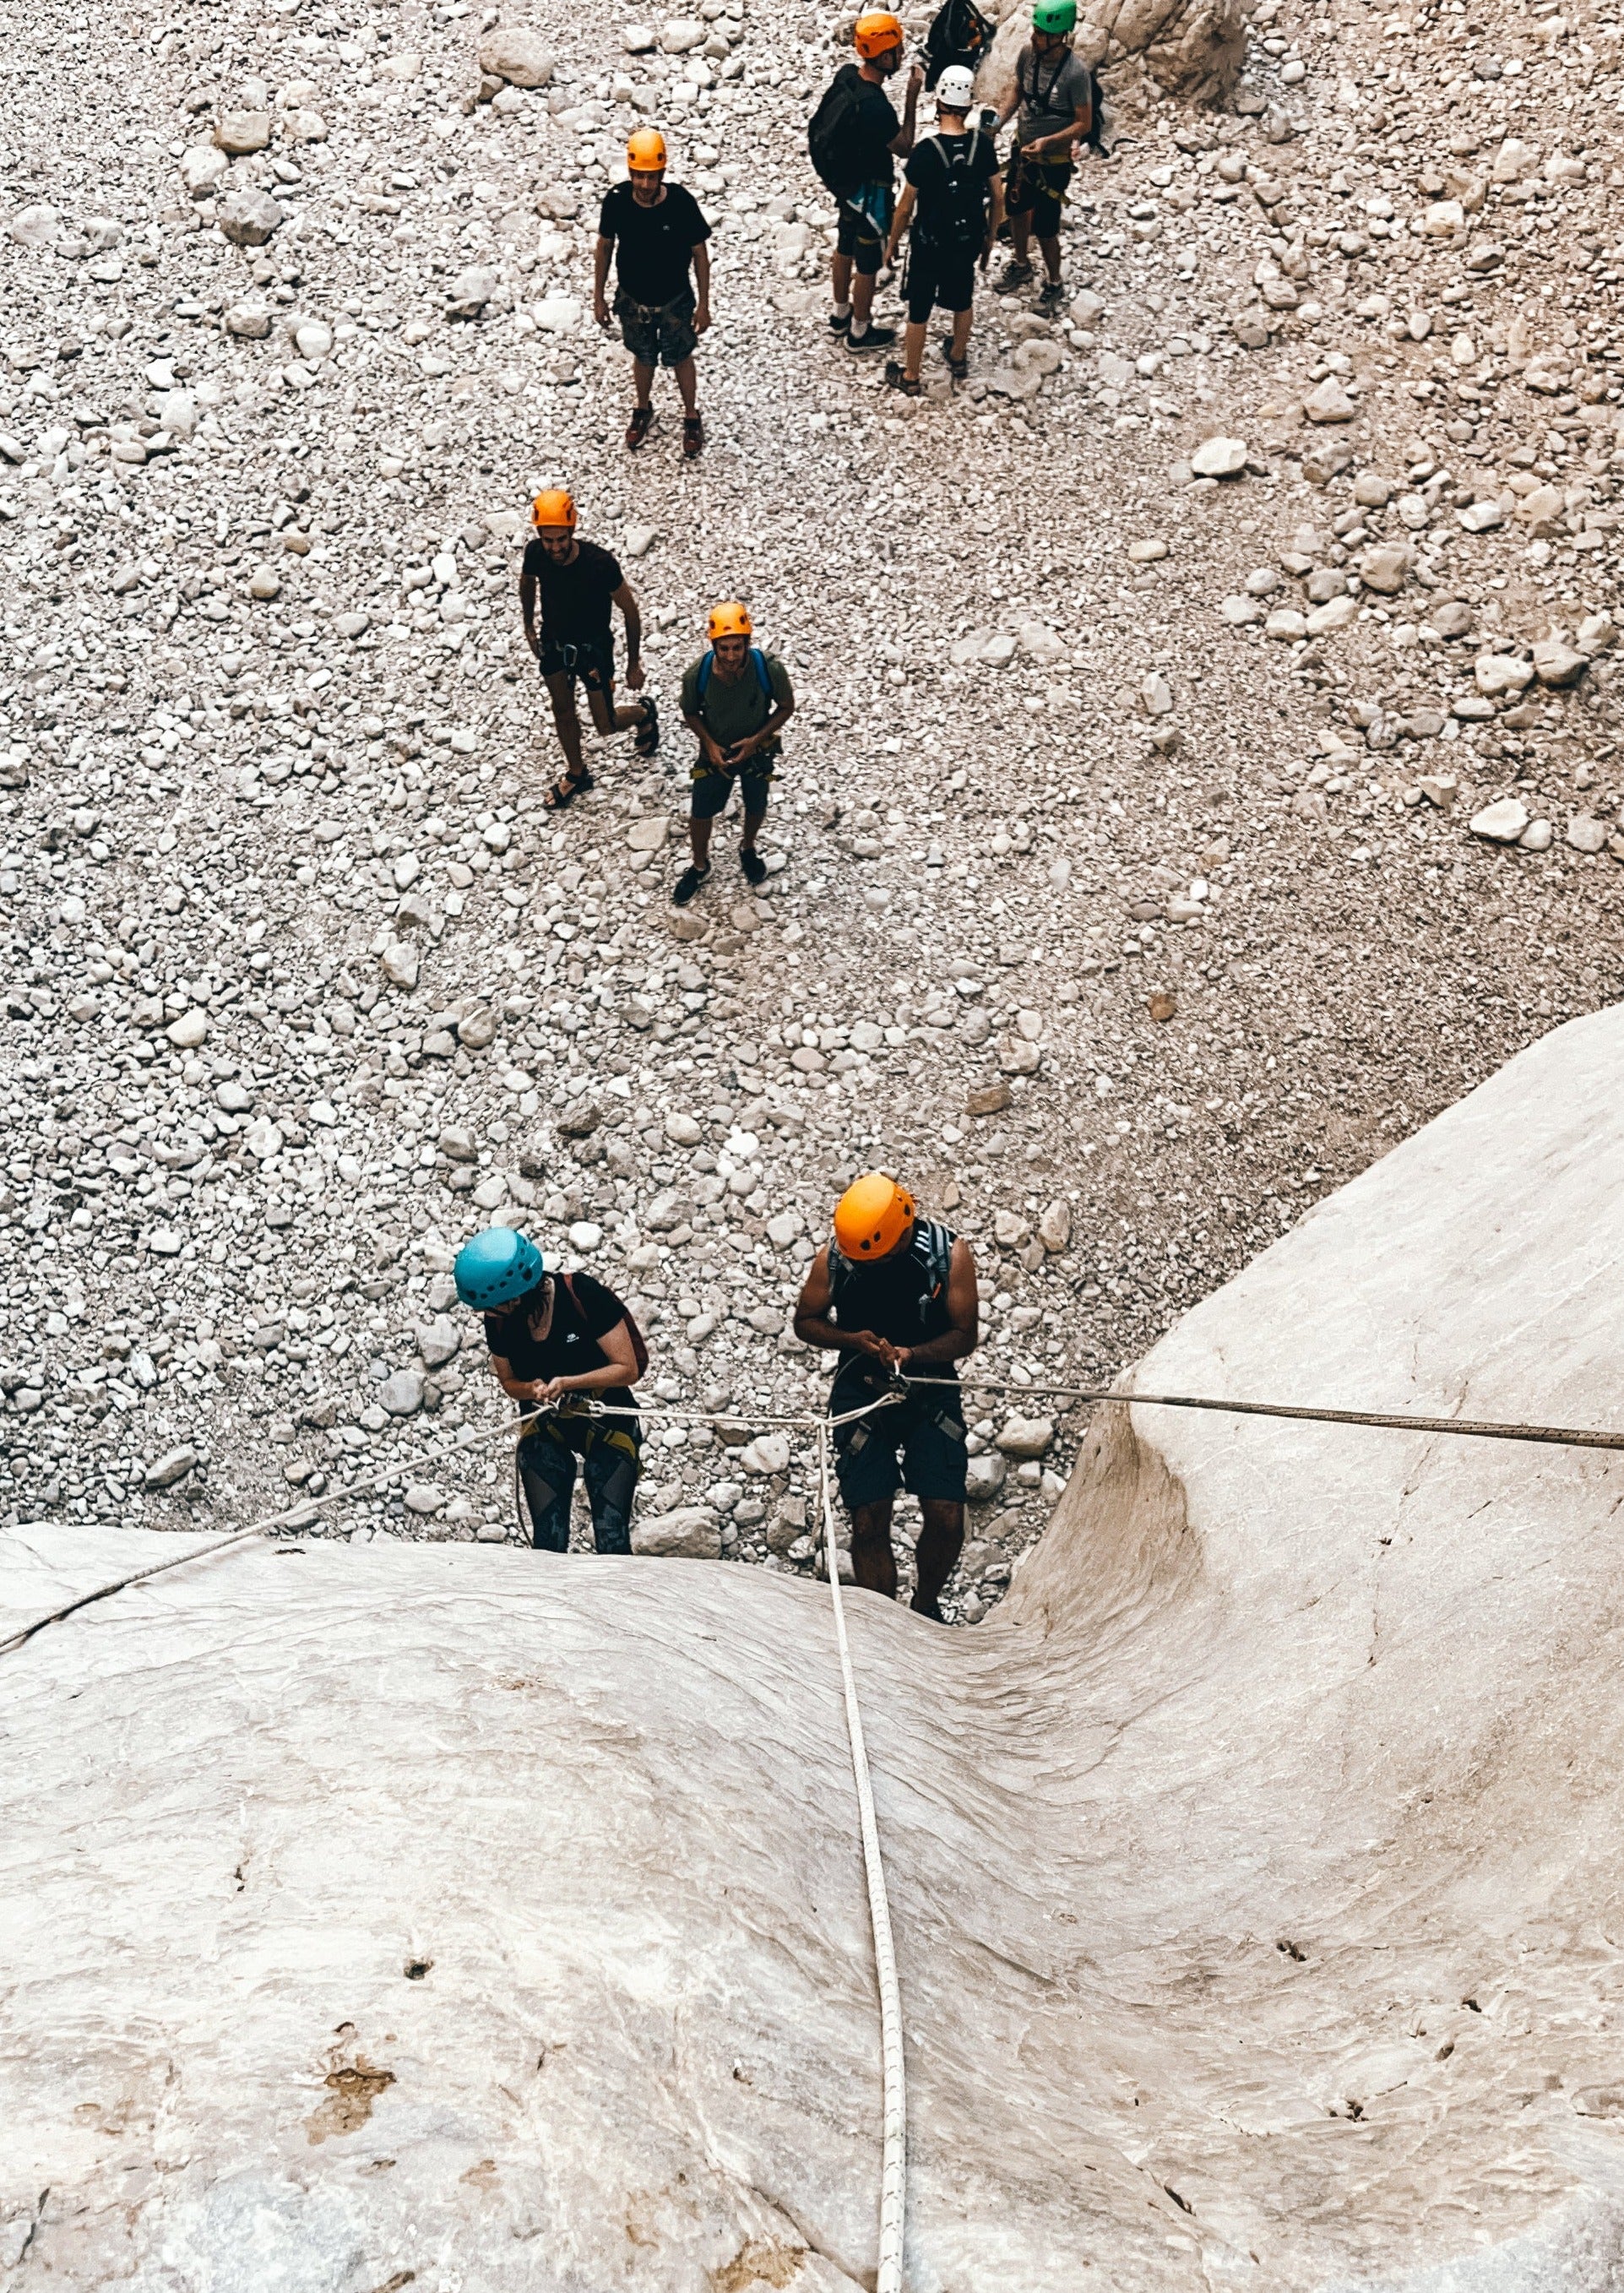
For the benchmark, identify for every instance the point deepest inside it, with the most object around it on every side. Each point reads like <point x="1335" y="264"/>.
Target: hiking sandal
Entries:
<point x="898" y="379"/>
<point x="563" y="792"/>
<point x="958" y="367"/>
<point x="693" y="435"/>
<point x="648" y="732"/>
<point x="638" y="428"/>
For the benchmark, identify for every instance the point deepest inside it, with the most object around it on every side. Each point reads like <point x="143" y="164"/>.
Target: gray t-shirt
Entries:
<point x="1053" y="89"/>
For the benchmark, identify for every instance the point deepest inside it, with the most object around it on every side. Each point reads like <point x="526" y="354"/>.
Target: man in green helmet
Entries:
<point x="1053" y="92"/>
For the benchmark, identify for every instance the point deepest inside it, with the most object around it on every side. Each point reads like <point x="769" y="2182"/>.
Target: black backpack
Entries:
<point x="833" y="142"/>
<point x="963" y="197"/>
<point x="959" y="33"/>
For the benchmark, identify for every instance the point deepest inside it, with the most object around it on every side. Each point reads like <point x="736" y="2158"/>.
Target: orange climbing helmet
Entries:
<point x="645" y="152"/>
<point x="872" y="1217"/>
<point x="877" y="34"/>
<point x="729" y="620"/>
<point x="555" y="507"/>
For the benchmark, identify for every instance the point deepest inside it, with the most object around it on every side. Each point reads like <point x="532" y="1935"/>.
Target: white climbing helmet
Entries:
<point x="955" y="89"/>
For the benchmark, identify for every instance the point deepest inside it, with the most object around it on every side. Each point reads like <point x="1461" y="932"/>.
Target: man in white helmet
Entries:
<point x="953" y="198"/>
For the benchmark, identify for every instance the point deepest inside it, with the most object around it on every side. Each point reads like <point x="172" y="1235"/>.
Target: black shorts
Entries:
<point x="917" y="1445"/>
<point x="862" y="233"/>
<point x="938" y="279"/>
<point x="712" y="789"/>
<point x="591" y="664"/>
<point x="1037" y="188"/>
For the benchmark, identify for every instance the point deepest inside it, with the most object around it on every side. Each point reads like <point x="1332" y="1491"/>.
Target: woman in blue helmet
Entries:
<point x="551" y="1335"/>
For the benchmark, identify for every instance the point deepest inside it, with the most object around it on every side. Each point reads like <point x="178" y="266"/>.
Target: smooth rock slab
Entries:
<point x="568" y="1843"/>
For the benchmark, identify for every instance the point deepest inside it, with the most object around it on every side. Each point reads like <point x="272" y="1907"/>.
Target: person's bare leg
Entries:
<point x="1049" y="248"/>
<point x="642" y="382"/>
<point x="560" y="693"/>
<point x="961" y="332"/>
<point x="609" y="719"/>
<point x="913" y="350"/>
<point x="1020" y="237"/>
<point x="942" y="1538"/>
<point x="688" y="383"/>
<point x="698" y="839"/>
<point x="873" y="1564"/>
<point x="862" y="300"/>
<point x="840" y="280"/>
<point x="752" y="829"/>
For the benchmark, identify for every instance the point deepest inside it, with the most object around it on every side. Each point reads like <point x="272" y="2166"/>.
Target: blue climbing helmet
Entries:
<point x="496" y="1268"/>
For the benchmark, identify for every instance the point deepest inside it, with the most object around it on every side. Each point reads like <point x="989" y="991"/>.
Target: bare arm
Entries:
<point x="600" y="255"/>
<point x="701" y="280"/>
<point x="902" y="142"/>
<point x="626" y="598"/>
<point x="1062" y="145"/>
<point x="964" y="1313"/>
<point x="900" y="221"/>
<point x="527" y="606"/>
<point x="813" y="1327"/>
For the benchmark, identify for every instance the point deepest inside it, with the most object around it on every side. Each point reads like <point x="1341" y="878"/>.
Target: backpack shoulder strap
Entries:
<point x="759" y="662"/>
<point x="706" y="667"/>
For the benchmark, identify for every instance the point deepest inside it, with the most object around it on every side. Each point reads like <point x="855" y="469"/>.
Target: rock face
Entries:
<point x="537" y="1877"/>
<point x="1190" y="47"/>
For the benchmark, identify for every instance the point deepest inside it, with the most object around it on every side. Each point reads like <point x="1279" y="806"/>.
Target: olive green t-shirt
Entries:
<point x="733" y="712"/>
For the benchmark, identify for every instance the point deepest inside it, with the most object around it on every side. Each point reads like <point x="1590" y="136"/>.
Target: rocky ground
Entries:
<point x="1206" y="766"/>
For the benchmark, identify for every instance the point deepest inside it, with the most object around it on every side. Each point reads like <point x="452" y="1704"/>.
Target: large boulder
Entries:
<point x="1251" y="1868"/>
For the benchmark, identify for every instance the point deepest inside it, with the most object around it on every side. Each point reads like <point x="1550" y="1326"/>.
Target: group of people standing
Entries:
<point x="893" y="1294"/>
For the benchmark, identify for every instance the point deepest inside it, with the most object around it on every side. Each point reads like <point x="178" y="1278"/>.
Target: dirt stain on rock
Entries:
<point x="352" y="2088"/>
<point x="758" y="2263"/>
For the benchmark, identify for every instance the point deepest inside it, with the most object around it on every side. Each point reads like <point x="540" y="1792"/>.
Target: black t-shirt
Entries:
<point x="571" y="1343"/>
<point x="574" y="599"/>
<point x="653" y="245"/>
<point x="872" y="128"/>
<point x="941" y="202"/>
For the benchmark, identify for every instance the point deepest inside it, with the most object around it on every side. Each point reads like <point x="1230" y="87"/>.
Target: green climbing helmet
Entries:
<point x="1057" y="16"/>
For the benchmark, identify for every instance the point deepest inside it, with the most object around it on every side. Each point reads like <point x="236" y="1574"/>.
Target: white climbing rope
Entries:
<point x="894" y="2160"/>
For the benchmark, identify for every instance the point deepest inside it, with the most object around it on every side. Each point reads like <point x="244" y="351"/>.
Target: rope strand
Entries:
<point x="893" y="2162"/>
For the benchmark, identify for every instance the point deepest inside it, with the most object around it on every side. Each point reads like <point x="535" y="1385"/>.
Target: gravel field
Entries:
<point x="1206" y="766"/>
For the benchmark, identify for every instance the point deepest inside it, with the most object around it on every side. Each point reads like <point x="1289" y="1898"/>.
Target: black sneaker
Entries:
<point x="839" y="326"/>
<point x="1051" y="296"/>
<point x="647" y="738"/>
<point x="754" y="867"/>
<point x="687" y="884"/>
<point x="876" y="338"/>
<point x="1015" y="275"/>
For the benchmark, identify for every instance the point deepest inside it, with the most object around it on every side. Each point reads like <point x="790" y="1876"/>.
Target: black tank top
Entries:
<point x="904" y="1298"/>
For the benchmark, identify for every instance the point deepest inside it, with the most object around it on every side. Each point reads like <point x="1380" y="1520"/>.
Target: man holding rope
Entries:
<point x="895" y="1294"/>
<point x="553" y="1335"/>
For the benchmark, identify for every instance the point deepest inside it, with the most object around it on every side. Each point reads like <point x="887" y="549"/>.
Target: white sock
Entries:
<point x="842" y="309"/>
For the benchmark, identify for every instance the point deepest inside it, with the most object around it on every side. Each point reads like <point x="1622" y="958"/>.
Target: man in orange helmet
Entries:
<point x="656" y="236"/>
<point x="896" y="1295"/>
<point x="736" y="702"/>
<point x="574" y="583"/>
<point x="853" y="136"/>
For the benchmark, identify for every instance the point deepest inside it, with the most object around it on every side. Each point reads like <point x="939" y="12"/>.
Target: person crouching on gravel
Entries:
<point x="953" y="199"/>
<point x="553" y="1335"/>
<point x="736" y="702"/>
<point x="656" y="233"/>
<point x="574" y="583"/>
